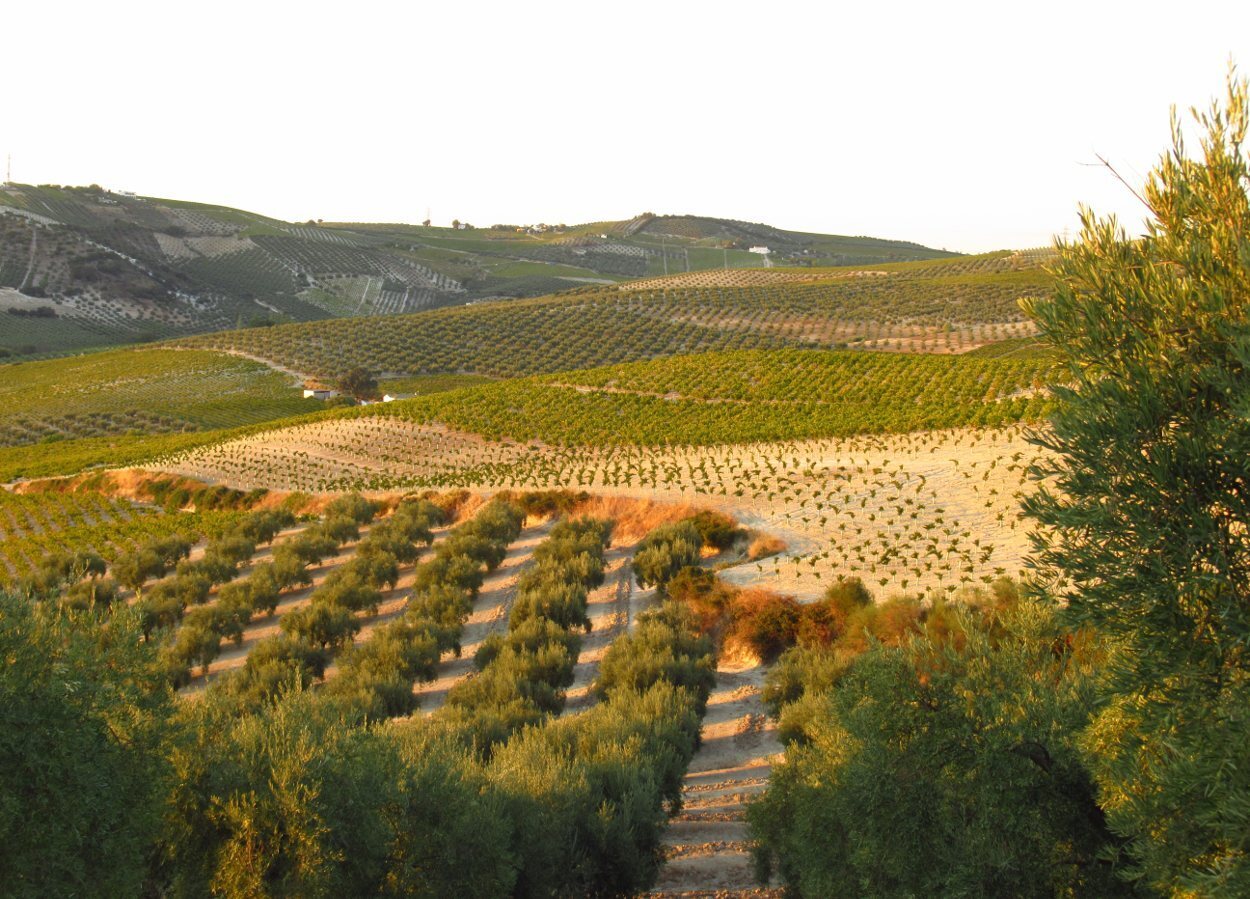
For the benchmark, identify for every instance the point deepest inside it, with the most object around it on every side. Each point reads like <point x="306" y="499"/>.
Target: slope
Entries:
<point x="85" y="267"/>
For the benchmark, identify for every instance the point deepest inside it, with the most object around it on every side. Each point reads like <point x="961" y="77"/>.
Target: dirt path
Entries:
<point x="707" y="843"/>
<point x="608" y="608"/>
<point x="297" y="377"/>
<point x="30" y="265"/>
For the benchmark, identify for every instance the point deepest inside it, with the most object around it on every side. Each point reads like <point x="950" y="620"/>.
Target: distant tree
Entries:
<point x="358" y="382"/>
<point x="1145" y="519"/>
<point x="455" y="223"/>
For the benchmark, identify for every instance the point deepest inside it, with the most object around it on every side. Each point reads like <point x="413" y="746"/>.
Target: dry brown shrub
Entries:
<point x="707" y="596"/>
<point x="765" y="545"/>
<point x="764" y="622"/>
<point x="634" y="518"/>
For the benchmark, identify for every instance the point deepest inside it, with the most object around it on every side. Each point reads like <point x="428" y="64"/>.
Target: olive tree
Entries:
<point x="1144" y="514"/>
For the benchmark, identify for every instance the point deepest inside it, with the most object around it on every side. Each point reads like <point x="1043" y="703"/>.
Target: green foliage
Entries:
<point x="718" y="531"/>
<point x="147" y="390"/>
<point x="1144" y="531"/>
<point x="358" y="382"/>
<point x="598" y="325"/>
<point x="946" y="767"/>
<point x="665" y="551"/>
<point x="522" y="675"/>
<point x="663" y="646"/>
<point x="743" y="397"/>
<point x="304" y="801"/>
<point x="82" y="721"/>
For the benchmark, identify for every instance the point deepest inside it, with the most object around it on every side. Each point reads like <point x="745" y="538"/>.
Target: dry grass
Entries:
<point x="634" y="517"/>
<point x="764" y="545"/>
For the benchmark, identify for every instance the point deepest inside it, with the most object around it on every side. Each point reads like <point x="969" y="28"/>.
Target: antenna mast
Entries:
<point x="8" y="168"/>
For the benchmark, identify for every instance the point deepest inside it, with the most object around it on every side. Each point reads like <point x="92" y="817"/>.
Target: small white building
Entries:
<point x="763" y="251"/>
<point x="319" y="393"/>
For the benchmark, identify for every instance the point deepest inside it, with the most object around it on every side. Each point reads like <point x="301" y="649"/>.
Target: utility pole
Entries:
<point x="8" y="168"/>
<point x="725" y="252"/>
<point x="664" y="253"/>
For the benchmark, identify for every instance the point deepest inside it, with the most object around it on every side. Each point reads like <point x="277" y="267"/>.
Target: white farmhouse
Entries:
<point x="763" y="251"/>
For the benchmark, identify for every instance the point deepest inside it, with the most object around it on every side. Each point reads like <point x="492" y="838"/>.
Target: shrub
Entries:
<point x="824" y="621"/>
<point x="664" y="552"/>
<point x="765" y="622"/>
<point x="717" y="531"/>
<point x="704" y="594"/>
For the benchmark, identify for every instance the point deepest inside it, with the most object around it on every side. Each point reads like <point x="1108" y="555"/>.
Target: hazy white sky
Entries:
<point x="958" y="125"/>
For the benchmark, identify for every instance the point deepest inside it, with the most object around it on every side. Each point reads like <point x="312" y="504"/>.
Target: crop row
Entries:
<point x="172" y="390"/>
<point x="443" y="592"/>
<point x="596" y="325"/>
<point x="915" y="513"/>
<point x="36" y="526"/>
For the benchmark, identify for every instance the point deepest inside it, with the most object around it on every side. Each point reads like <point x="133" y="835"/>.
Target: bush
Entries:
<point x="84" y="725"/>
<point x="704" y="594"/>
<point x="92" y="593"/>
<point x="824" y="621"/>
<point x="765" y="622"/>
<point x="662" y="647"/>
<point x="717" y="531"/>
<point x="353" y="506"/>
<point x="664" y="552"/>
<point x="942" y="769"/>
<point x="323" y="624"/>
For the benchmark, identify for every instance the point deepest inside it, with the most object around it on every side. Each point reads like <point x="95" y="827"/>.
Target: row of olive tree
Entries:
<point x="522" y="674"/>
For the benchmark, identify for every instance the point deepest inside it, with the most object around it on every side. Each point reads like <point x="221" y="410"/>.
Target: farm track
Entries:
<point x="707" y="845"/>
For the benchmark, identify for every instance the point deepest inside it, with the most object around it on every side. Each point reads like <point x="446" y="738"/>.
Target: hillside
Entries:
<point x="947" y="306"/>
<point x="84" y="267"/>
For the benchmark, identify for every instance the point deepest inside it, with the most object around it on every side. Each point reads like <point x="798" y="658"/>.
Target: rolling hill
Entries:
<point x="83" y="267"/>
<point x="943" y="306"/>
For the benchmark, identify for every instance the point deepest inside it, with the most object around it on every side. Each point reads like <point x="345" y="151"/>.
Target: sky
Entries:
<point x="963" y="126"/>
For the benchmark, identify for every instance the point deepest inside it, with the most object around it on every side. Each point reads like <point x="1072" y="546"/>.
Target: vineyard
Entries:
<point x="941" y="308"/>
<point x="916" y="510"/>
<point x="148" y="390"/>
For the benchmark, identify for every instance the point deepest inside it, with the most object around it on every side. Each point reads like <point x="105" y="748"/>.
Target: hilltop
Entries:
<point x="83" y="267"/>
